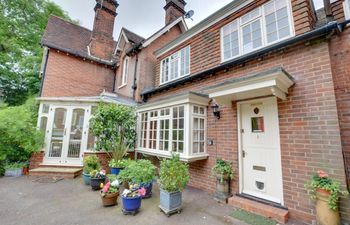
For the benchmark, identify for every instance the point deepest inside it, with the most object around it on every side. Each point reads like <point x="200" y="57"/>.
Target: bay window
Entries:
<point x="175" y="66"/>
<point x="264" y="25"/>
<point x="179" y="128"/>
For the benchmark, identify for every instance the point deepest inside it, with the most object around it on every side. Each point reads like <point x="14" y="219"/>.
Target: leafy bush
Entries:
<point x="15" y="166"/>
<point x="140" y="172"/>
<point x="91" y="163"/>
<point x="223" y="169"/>
<point x="114" y="127"/>
<point x="322" y="181"/>
<point x="2" y="168"/>
<point x="19" y="136"/>
<point x="119" y="164"/>
<point x="173" y="174"/>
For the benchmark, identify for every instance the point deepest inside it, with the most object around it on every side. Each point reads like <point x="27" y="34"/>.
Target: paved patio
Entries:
<point x="70" y="202"/>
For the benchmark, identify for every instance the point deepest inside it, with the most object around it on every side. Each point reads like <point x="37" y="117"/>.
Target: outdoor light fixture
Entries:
<point x="216" y="111"/>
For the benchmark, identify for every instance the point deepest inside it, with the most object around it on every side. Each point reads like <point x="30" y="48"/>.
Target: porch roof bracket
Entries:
<point x="274" y="82"/>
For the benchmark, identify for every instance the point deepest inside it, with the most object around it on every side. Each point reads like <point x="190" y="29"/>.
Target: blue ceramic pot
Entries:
<point x="131" y="204"/>
<point x="115" y="170"/>
<point x="148" y="188"/>
<point x="86" y="179"/>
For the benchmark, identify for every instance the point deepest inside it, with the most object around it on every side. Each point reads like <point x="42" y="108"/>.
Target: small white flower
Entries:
<point x="115" y="183"/>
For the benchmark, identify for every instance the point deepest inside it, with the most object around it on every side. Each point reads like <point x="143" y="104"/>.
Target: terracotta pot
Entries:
<point x="110" y="199"/>
<point x="325" y="215"/>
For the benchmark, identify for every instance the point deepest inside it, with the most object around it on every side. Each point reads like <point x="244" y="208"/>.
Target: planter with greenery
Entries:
<point x="98" y="179"/>
<point x="173" y="178"/>
<point x="140" y="172"/>
<point x="91" y="163"/>
<point x="326" y="192"/>
<point x="223" y="173"/>
<point x="110" y="192"/>
<point x="132" y="199"/>
<point x="14" y="169"/>
<point x="114" y="128"/>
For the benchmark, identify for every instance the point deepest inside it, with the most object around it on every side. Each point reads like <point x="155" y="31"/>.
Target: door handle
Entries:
<point x="244" y="153"/>
<point x="64" y="132"/>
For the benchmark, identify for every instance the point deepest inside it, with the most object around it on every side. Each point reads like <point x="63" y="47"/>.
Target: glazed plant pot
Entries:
<point x="115" y="170"/>
<point x="325" y="215"/>
<point x="110" y="199"/>
<point x="86" y="179"/>
<point x="13" y="172"/>
<point x="96" y="183"/>
<point x="170" y="202"/>
<point x="148" y="188"/>
<point x="131" y="204"/>
<point x="222" y="189"/>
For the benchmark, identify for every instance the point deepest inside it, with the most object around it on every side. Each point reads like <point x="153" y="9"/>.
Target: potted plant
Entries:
<point x="98" y="179"/>
<point x="91" y="163"/>
<point x="326" y="192"/>
<point x="119" y="150"/>
<point x="14" y="169"/>
<point x="110" y="192"/>
<point x="132" y="199"/>
<point x="223" y="173"/>
<point x="173" y="178"/>
<point x="126" y="175"/>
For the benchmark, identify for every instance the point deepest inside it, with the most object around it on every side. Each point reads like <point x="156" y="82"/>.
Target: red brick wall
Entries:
<point x="205" y="46"/>
<point x="340" y="55"/>
<point x="36" y="159"/>
<point x="338" y="10"/>
<point x="71" y="76"/>
<point x="309" y="126"/>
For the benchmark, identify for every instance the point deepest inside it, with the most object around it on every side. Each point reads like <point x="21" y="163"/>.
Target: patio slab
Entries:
<point x="70" y="202"/>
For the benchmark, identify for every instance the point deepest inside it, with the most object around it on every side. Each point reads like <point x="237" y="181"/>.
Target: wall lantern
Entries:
<point x="216" y="111"/>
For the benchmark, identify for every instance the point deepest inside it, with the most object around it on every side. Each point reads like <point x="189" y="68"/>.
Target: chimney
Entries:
<point x="102" y="43"/>
<point x="173" y="10"/>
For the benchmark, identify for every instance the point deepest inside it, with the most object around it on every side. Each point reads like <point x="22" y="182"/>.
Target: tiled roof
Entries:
<point x="68" y="37"/>
<point x="132" y="37"/>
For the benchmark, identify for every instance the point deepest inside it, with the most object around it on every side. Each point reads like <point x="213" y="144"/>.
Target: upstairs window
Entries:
<point x="346" y="4"/>
<point x="125" y="71"/>
<point x="175" y="66"/>
<point x="264" y="25"/>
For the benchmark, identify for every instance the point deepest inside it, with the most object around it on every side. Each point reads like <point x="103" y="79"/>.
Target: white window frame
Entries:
<point x="179" y="66"/>
<point x="187" y="154"/>
<point x="263" y="31"/>
<point x="346" y="5"/>
<point x="126" y="63"/>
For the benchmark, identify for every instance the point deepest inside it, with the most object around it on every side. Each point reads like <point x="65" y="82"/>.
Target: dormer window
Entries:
<point x="175" y="66"/>
<point x="265" y="25"/>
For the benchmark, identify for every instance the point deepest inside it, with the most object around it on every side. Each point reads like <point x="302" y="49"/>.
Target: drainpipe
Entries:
<point x="328" y="10"/>
<point x="134" y="86"/>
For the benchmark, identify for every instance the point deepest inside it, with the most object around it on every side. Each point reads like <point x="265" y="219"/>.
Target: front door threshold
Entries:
<point x="261" y="200"/>
<point x="280" y="214"/>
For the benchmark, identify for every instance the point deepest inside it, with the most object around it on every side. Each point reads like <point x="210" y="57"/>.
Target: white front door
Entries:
<point x="260" y="150"/>
<point x="66" y="134"/>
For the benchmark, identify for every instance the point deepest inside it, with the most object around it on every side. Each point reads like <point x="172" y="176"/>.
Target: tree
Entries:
<point x="22" y="24"/>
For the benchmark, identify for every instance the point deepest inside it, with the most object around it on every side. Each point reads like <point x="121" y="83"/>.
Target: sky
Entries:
<point x="144" y="17"/>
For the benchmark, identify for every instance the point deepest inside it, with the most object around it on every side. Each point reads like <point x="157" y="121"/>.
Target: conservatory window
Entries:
<point x="143" y="135"/>
<point x="264" y="25"/>
<point x="178" y="129"/>
<point x="175" y="66"/>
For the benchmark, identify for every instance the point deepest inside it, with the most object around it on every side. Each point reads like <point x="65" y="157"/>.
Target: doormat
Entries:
<point x="251" y="218"/>
<point x="48" y="179"/>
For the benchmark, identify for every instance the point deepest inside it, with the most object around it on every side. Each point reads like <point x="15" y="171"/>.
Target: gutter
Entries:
<point x="250" y="56"/>
<point x="104" y="62"/>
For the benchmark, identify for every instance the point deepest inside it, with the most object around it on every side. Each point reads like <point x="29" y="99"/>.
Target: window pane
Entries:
<point x="230" y="40"/>
<point x="45" y="108"/>
<point x="257" y="124"/>
<point x="43" y="123"/>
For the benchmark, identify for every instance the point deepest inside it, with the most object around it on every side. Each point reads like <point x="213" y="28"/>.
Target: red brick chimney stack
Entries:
<point x="173" y="10"/>
<point x="102" y="44"/>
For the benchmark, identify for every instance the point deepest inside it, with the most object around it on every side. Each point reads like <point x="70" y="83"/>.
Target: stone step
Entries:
<point x="65" y="172"/>
<point x="278" y="214"/>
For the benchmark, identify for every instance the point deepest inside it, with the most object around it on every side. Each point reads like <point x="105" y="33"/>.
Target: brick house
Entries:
<point x="263" y="84"/>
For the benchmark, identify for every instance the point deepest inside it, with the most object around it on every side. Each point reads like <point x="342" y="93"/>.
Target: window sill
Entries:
<point x="164" y="154"/>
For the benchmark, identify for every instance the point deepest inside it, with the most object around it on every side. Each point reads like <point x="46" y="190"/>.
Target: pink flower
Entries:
<point x="103" y="172"/>
<point x="106" y="187"/>
<point x="322" y="174"/>
<point x="142" y="191"/>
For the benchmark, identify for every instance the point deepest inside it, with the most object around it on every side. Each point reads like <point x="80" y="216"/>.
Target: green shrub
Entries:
<point x="2" y="168"/>
<point x="10" y="166"/>
<point x="91" y="163"/>
<point x="19" y="136"/>
<point x="141" y="172"/>
<point x="173" y="174"/>
<point x="223" y="169"/>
